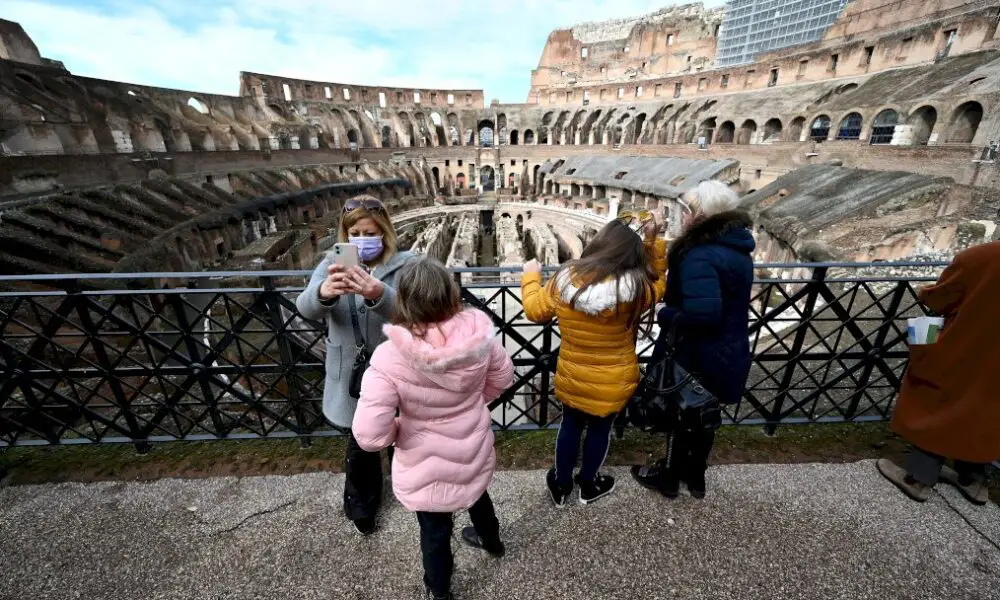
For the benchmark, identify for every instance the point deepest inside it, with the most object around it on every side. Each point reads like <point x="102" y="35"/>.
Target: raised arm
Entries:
<point x="539" y="301"/>
<point x="658" y="250"/>
<point x="308" y="303"/>
<point x="375" y="424"/>
<point x="701" y="303"/>
<point x="501" y="372"/>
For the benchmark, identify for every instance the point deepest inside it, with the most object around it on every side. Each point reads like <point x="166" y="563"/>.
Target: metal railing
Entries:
<point x="145" y="358"/>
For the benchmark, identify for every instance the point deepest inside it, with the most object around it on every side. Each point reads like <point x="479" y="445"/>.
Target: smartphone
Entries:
<point x="346" y="255"/>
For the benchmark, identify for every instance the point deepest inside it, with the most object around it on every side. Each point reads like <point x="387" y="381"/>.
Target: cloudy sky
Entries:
<point x="428" y="43"/>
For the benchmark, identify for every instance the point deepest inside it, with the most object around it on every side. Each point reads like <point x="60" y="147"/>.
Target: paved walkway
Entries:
<point x="806" y="531"/>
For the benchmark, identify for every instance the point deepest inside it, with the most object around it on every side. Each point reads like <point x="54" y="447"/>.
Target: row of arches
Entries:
<point x="887" y="127"/>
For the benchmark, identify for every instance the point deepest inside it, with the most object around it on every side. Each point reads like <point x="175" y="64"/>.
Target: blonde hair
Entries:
<point x="710" y="198"/>
<point x="381" y="218"/>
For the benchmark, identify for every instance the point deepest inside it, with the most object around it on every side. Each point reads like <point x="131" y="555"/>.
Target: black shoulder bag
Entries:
<point x="362" y="359"/>
<point x="669" y="396"/>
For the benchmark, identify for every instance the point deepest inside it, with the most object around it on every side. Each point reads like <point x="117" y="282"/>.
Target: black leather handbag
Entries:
<point x="362" y="359"/>
<point x="669" y="396"/>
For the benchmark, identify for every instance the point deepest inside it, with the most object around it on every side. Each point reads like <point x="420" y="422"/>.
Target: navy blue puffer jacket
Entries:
<point x="709" y="284"/>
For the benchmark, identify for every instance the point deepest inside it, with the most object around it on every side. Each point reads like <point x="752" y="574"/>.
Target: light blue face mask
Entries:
<point x="369" y="248"/>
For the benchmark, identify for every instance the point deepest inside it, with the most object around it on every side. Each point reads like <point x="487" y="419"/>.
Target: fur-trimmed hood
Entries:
<point x="448" y="350"/>
<point x="729" y="229"/>
<point x="597" y="298"/>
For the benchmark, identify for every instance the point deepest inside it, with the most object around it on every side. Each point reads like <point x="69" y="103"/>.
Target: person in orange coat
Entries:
<point x="949" y="403"/>
<point x="600" y="301"/>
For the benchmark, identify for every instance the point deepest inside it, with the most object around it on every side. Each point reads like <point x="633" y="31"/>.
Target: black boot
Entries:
<point x="697" y="463"/>
<point x="658" y="477"/>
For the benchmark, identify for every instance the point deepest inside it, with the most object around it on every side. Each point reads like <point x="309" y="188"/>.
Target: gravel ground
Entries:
<point x="765" y="531"/>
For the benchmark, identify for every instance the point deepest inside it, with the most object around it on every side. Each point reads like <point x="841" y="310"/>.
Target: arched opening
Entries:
<point x="486" y="133"/>
<point x="965" y="123"/>
<point x="820" y="129"/>
<point x="727" y="133"/>
<point x="543" y="135"/>
<point x="529" y="137"/>
<point x="616" y="136"/>
<point x="439" y="129"/>
<point x="747" y="131"/>
<point x="198" y="105"/>
<point x="708" y="129"/>
<point x="635" y="135"/>
<point x="534" y="174"/>
<point x="795" y="129"/>
<point x="850" y="127"/>
<point x="284" y="140"/>
<point x="169" y="144"/>
<point x="487" y="179"/>
<point x="386" y="136"/>
<point x="460" y="181"/>
<point x="352" y="138"/>
<point x="454" y="129"/>
<point x="512" y="181"/>
<point x="437" y="179"/>
<point x="513" y="137"/>
<point x="406" y="129"/>
<point x="501" y="129"/>
<point x="772" y="131"/>
<point x="884" y="127"/>
<point x="922" y="123"/>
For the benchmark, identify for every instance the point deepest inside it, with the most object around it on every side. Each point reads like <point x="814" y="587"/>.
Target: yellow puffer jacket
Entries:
<point x="598" y="369"/>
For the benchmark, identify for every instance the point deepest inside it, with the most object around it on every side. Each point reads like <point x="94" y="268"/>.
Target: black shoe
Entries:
<point x="595" y="490"/>
<point x="657" y="478"/>
<point x="696" y="485"/>
<point x="366" y="525"/>
<point x="557" y="492"/>
<point x="472" y="538"/>
<point x="432" y="596"/>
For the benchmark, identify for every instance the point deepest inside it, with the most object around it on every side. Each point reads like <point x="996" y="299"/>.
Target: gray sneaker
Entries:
<point x="901" y="479"/>
<point x="976" y="492"/>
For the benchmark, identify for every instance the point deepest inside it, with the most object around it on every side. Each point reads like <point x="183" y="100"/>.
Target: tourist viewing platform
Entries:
<point x="701" y="303"/>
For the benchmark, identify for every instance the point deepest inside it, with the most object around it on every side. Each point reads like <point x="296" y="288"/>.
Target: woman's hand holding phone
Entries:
<point x="337" y="283"/>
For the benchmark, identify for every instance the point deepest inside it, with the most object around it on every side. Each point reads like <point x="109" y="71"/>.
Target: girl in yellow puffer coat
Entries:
<point x="600" y="301"/>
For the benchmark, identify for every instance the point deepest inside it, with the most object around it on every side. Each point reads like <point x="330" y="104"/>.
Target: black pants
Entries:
<point x="363" y="483"/>
<point x="435" y="541"/>
<point x="926" y="466"/>
<point x="595" y="444"/>
<point x="687" y="454"/>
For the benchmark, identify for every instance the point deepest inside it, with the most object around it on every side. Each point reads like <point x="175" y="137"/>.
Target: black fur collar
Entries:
<point x="708" y="231"/>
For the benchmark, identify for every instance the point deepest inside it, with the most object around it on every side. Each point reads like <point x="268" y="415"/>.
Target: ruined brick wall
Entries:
<point x="16" y="45"/>
<point x="871" y="36"/>
<point x="677" y="40"/>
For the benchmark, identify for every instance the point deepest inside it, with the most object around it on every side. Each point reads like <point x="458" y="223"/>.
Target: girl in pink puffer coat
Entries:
<point x="439" y="368"/>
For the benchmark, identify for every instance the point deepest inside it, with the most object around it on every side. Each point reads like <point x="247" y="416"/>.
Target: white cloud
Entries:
<point x="426" y="43"/>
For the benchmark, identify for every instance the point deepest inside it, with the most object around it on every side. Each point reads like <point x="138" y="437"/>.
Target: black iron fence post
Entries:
<point x="794" y="358"/>
<point x="874" y="357"/>
<point x="272" y="300"/>
<point x="196" y="359"/>
<point x="92" y="331"/>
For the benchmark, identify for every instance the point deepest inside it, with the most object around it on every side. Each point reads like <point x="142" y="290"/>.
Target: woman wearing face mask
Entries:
<point x="331" y="294"/>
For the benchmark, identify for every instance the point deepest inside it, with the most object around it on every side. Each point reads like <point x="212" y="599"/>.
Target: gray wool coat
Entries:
<point x="341" y="350"/>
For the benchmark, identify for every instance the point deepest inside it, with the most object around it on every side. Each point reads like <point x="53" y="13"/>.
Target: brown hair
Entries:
<point x="426" y="294"/>
<point x="616" y="252"/>
<point x="381" y="218"/>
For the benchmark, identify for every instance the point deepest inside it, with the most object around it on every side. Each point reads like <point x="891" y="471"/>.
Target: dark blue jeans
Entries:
<point x="595" y="444"/>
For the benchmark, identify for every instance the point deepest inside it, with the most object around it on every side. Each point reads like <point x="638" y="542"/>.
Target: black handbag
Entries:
<point x="669" y="396"/>
<point x="362" y="359"/>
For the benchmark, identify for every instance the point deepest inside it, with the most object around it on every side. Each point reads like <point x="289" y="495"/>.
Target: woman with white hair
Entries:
<point x="707" y="303"/>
